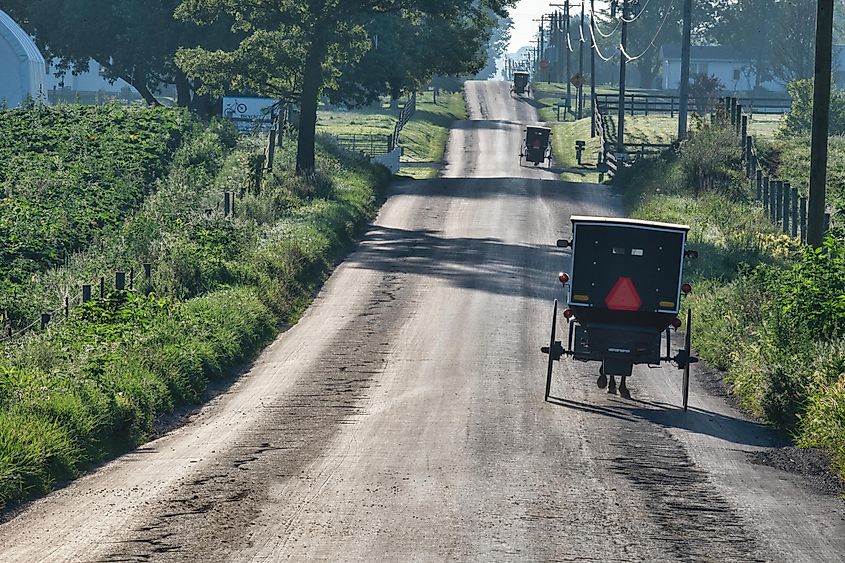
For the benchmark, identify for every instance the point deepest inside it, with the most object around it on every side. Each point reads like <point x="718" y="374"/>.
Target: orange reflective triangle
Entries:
<point x="623" y="296"/>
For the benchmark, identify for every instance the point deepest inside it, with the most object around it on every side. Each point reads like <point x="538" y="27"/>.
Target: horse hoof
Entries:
<point x="602" y="381"/>
<point x="623" y="391"/>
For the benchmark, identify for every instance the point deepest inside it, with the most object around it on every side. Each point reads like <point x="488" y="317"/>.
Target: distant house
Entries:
<point x="731" y="68"/>
<point x="22" y="68"/>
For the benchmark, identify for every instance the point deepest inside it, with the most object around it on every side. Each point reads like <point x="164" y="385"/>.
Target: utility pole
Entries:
<point x="821" y="123"/>
<point x="568" y="57"/>
<point x="593" y="67"/>
<point x="581" y="65"/>
<point x="620" y="118"/>
<point x="683" y="112"/>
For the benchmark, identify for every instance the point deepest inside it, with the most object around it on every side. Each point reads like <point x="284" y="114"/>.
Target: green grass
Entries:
<point x="423" y="139"/>
<point x="93" y="386"/>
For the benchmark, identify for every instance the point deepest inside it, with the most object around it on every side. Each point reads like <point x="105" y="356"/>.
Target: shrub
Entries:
<point x="799" y="121"/>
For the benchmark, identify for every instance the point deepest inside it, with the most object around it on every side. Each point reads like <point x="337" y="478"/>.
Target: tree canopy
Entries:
<point x="133" y="40"/>
<point x="297" y="49"/>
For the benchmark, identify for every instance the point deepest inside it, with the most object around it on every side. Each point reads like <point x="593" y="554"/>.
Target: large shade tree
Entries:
<point x="294" y="49"/>
<point x="132" y="40"/>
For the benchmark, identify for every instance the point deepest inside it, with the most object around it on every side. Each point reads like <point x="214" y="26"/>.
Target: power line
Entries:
<point x="656" y="35"/>
<point x="597" y="50"/>
<point x="640" y="13"/>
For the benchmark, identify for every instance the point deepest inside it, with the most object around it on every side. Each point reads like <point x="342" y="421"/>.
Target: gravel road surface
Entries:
<point x="403" y="417"/>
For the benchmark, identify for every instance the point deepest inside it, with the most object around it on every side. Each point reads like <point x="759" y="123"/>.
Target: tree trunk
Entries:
<point x="647" y="75"/>
<point x="183" y="90"/>
<point x="137" y="81"/>
<point x="311" y="84"/>
<point x="395" y="92"/>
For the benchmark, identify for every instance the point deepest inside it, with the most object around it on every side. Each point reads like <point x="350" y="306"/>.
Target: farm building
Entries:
<point x="22" y="67"/>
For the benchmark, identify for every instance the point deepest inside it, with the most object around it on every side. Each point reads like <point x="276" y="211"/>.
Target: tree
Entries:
<point x="296" y="49"/>
<point x="133" y="40"/>
<point x="409" y="53"/>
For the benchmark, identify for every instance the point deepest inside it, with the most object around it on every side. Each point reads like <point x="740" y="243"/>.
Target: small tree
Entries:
<point x="799" y="120"/>
<point x="704" y="91"/>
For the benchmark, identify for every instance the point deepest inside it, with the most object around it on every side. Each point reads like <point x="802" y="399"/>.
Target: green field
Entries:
<point x="69" y="172"/>
<point x="423" y="139"/>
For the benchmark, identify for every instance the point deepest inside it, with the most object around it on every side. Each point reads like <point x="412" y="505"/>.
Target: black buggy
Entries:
<point x="520" y="83"/>
<point x="536" y="147"/>
<point x="623" y="296"/>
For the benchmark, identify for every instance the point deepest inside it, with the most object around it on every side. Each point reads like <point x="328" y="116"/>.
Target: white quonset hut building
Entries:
<point x="22" y="67"/>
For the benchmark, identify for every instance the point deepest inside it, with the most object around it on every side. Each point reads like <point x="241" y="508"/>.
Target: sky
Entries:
<point x="526" y="10"/>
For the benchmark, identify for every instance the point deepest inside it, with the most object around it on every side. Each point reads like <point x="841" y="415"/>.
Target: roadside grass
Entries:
<point x="93" y="386"/>
<point x="423" y="139"/>
<point x="768" y="312"/>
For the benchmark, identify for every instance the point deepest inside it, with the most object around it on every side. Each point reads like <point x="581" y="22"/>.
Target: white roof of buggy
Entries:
<point x="628" y="222"/>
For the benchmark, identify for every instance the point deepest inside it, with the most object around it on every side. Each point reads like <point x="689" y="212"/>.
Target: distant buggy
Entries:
<point x="536" y="147"/>
<point x="623" y="296"/>
<point x="520" y="83"/>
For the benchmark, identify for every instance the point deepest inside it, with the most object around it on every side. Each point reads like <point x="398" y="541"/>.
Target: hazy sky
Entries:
<point x="526" y="10"/>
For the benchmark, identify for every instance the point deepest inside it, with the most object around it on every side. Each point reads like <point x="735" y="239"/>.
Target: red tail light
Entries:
<point x="676" y="322"/>
<point x="568" y="314"/>
<point x="686" y="288"/>
<point x="563" y="277"/>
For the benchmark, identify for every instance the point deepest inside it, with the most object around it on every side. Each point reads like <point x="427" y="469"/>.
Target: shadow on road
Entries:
<point x="699" y="421"/>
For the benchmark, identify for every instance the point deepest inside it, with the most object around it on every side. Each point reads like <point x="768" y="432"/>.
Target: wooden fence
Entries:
<point x="781" y="202"/>
<point x="656" y="104"/>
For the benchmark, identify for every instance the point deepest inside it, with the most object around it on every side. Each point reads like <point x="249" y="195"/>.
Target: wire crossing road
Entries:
<point x="403" y="417"/>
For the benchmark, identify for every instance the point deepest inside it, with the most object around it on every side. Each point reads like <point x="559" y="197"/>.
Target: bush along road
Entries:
<point x="770" y="312"/>
<point x="220" y="288"/>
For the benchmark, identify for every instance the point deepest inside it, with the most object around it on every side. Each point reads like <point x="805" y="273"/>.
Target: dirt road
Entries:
<point x="403" y="417"/>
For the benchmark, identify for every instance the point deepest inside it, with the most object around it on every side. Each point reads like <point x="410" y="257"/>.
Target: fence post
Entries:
<point x="759" y="185"/>
<point x="232" y="210"/>
<point x="102" y="287"/>
<point x="749" y="156"/>
<point x="803" y="214"/>
<point x="148" y="270"/>
<point x="227" y="203"/>
<point x="120" y="281"/>
<point x="45" y="320"/>
<point x="86" y="293"/>
<point x="794" y="212"/>
<point x="271" y="150"/>
<point x="131" y="278"/>
<point x="672" y="106"/>
<point x="67" y="306"/>
<point x="733" y="110"/>
<point x="778" y="201"/>
<point x="787" y="189"/>
<point x="766" y="195"/>
<point x="826" y="222"/>
<point x="632" y="105"/>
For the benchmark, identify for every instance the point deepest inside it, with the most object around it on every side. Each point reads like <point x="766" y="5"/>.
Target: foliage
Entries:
<point x="69" y="172"/>
<point x="799" y="120"/>
<point x="95" y="384"/>
<point x="770" y="312"/>
<point x="133" y="40"/>
<point x="712" y="153"/>
<point x="704" y="91"/>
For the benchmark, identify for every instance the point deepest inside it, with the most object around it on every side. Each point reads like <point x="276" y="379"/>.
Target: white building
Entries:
<point x="22" y="68"/>
<point x="735" y="72"/>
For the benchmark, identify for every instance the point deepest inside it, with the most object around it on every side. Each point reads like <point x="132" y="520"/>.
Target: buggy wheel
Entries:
<point x="688" y="353"/>
<point x="551" y="353"/>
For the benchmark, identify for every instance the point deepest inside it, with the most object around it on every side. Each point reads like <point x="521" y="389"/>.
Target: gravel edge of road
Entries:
<point x="812" y="464"/>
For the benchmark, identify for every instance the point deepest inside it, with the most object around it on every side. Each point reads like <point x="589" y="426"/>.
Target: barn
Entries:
<point x="22" y="67"/>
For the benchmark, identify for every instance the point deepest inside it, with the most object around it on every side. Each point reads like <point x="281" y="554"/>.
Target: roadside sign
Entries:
<point x="544" y="64"/>
<point x="577" y="80"/>
<point x="248" y="111"/>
